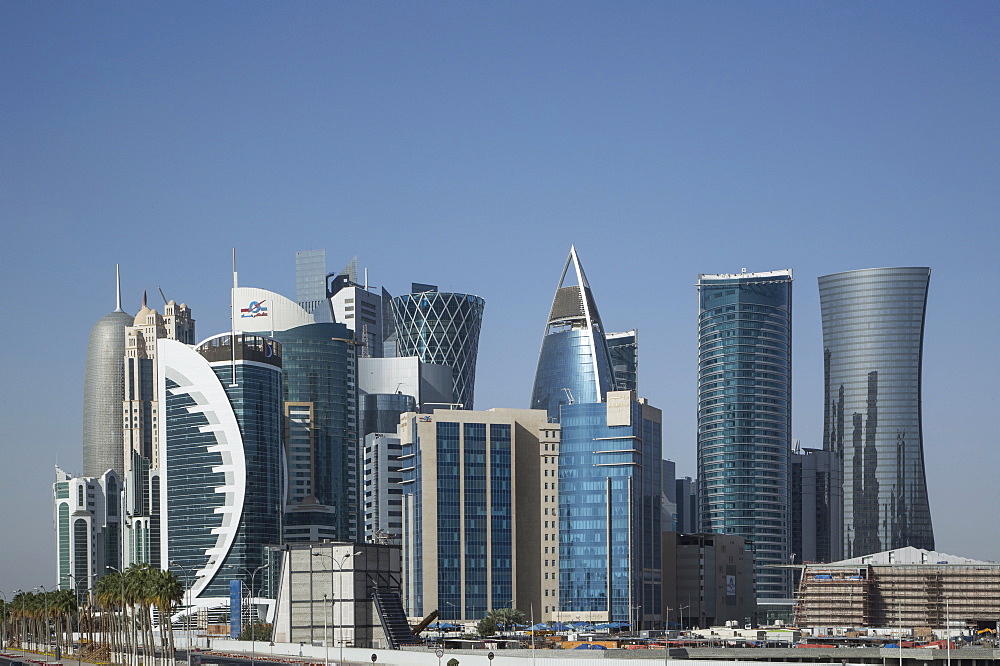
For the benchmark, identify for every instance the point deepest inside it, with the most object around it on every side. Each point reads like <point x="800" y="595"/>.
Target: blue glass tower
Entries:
<point x="609" y="510"/>
<point x="744" y="415"/>
<point x="873" y="338"/>
<point x="574" y="365"/>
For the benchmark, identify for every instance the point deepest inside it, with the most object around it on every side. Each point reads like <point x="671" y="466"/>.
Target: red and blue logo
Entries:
<point x="255" y="309"/>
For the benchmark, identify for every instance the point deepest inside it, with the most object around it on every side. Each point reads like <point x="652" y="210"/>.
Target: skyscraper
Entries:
<point x="103" y="392"/>
<point x="465" y="476"/>
<point x="141" y="421"/>
<point x="610" y="558"/>
<point x="442" y="328"/>
<point x="221" y="442"/>
<point x="319" y="389"/>
<point x="574" y="365"/>
<point x="744" y="415"/>
<point x="873" y="335"/>
<point x="624" y="351"/>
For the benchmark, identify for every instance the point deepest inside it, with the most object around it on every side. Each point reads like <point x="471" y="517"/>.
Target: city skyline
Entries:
<point x="664" y="143"/>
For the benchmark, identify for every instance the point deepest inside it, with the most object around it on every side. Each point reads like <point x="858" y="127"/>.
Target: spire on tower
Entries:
<point x="118" y="290"/>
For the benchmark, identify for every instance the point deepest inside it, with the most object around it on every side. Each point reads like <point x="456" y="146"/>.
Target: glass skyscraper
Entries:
<point x="574" y="365"/>
<point x="222" y="437"/>
<point x="873" y="334"/>
<point x="319" y="390"/>
<point x="744" y="415"/>
<point x="441" y="328"/>
<point x="610" y="560"/>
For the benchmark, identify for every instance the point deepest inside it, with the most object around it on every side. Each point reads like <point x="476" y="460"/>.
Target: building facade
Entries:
<point x="340" y="595"/>
<point x="744" y="415"/>
<point x="319" y="394"/>
<point x="443" y="329"/>
<point x="103" y="392"/>
<point x="906" y="587"/>
<point x="624" y="351"/>
<point x="87" y="518"/>
<point x="574" y="364"/>
<point x="221" y="443"/>
<point x="817" y="498"/>
<point x="708" y="580"/>
<point x="873" y="335"/>
<point x="140" y="417"/>
<point x="465" y="475"/>
<point x="610" y="560"/>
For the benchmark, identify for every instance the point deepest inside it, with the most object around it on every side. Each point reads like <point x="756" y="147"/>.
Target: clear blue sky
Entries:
<point x="468" y="144"/>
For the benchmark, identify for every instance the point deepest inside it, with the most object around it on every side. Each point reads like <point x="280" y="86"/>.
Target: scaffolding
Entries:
<point x="899" y="595"/>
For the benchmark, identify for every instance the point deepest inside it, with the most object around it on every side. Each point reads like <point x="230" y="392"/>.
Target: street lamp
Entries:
<point x="188" y="595"/>
<point x="340" y="593"/>
<point x="45" y="599"/>
<point x="253" y="614"/>
<point x="326" y="635"/>
<point x="23" y="626"/>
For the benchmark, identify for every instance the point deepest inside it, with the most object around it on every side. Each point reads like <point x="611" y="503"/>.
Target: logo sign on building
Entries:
<point x="255" y="309"/>
<point x="730" y="586"/>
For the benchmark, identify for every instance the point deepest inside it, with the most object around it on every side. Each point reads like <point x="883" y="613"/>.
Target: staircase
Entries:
<point x="392" y="616"/>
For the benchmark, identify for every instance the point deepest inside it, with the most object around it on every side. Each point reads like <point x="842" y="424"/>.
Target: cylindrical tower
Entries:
<point x="873" y="338"/>
<point x="441" y="328"/>
<point x="744" y="415"/>
<point x="103" y="393"/>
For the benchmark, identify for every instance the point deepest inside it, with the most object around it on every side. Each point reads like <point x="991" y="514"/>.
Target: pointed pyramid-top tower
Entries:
<point x="573" y="365"/>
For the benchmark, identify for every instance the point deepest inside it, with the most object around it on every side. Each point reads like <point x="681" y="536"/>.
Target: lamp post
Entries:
<point x="680" y="615"/>
<point x="188" y="595"/>
<point x="326" y="635"/>
<point x="666" y="638"/>
<point x="253" y="613"/>
<point x="45" y="600"/>
<point x="340" y="592"/>
<point x="23" y="628"/>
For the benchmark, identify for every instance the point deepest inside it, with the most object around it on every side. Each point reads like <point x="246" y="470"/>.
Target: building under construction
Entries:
<point x="904" y="589"/>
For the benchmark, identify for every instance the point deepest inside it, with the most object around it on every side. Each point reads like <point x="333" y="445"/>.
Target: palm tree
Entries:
<point x="166" y="590"/>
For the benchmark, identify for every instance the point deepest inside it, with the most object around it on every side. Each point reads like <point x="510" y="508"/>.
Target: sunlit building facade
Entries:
<point x="610" y="558"/>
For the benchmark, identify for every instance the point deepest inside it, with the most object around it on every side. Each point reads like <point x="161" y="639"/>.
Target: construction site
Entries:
<point x="908" y="590"/>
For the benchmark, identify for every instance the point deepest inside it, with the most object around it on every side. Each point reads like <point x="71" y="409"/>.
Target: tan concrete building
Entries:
<point x="480" y="523"/>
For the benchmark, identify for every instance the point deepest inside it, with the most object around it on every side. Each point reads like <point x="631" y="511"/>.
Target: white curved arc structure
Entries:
<point x="195" y="378"/>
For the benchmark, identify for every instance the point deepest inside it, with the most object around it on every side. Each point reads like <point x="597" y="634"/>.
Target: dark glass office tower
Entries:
<point x="624" y="350"/>
<point x="745" y="415"/>
<point x="574" y="365"/>
<point x="441" y="328"/>
<point x="222" y="456"/>
<point x="873" y="338"/>
<point x="321" y="432"/>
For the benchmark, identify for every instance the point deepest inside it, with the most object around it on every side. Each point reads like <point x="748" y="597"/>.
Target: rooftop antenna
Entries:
<point x="118" y="290"/>
<point x="232" y="317"/>
<point x="366" y="278"/>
